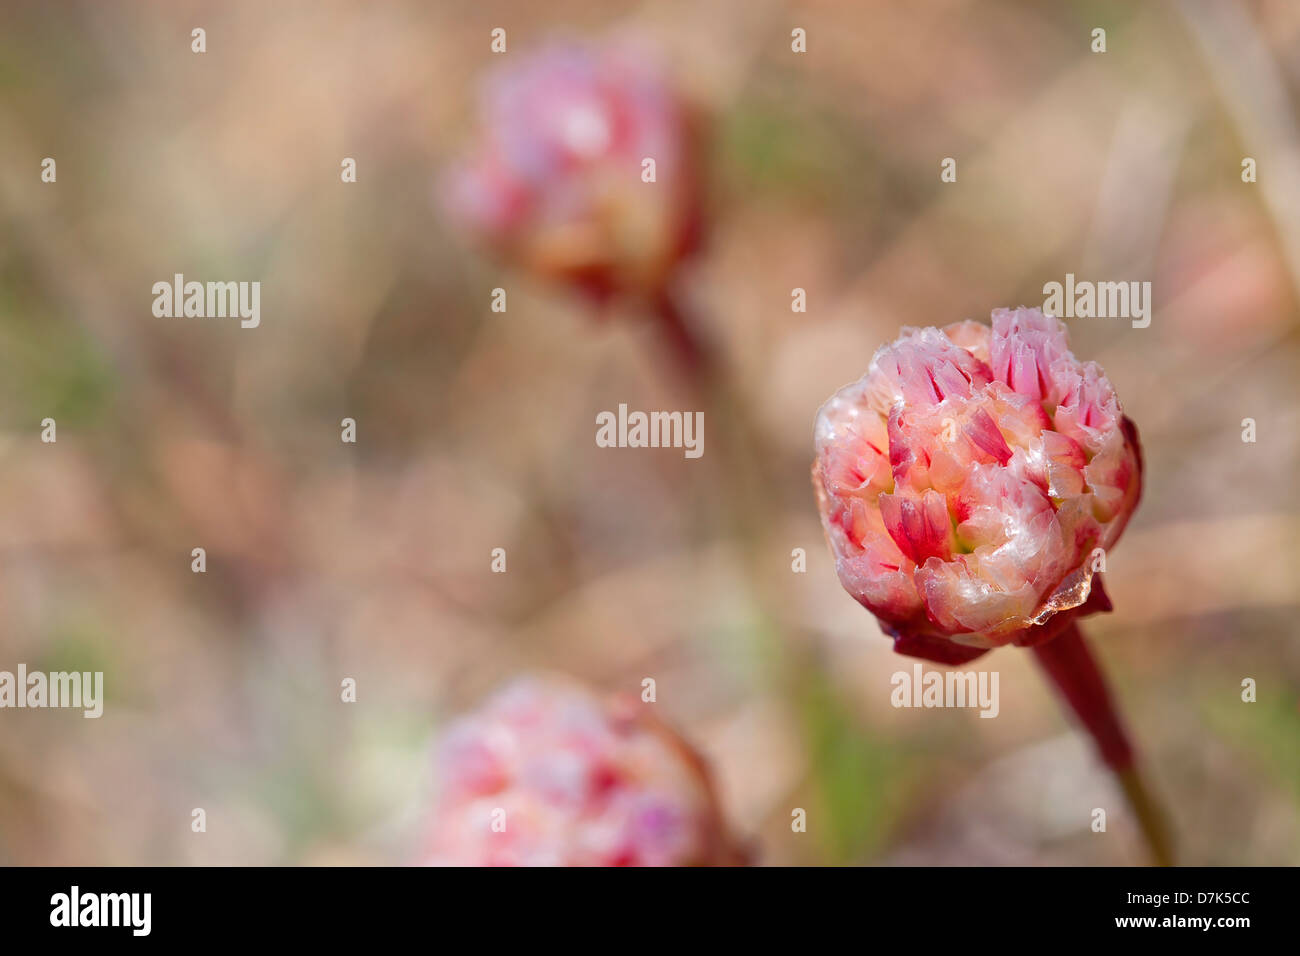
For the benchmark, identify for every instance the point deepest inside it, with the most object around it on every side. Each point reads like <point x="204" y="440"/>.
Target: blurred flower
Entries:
<point x="574" y="783"/>
<point x="966" y="480"/>
<point x="555" y="183"/>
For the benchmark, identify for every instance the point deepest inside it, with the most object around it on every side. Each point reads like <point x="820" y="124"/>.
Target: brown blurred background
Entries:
<point x="475" y="429"/>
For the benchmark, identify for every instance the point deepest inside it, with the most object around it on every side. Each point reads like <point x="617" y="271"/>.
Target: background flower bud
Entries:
<point x="555" y="180"/>
<point x="580" y="783"/>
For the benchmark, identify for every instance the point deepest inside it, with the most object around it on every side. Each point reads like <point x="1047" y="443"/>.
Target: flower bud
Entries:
<point x="557" y="180"/>
<point x="966" y="481"/>
<point x="544" y="774"/>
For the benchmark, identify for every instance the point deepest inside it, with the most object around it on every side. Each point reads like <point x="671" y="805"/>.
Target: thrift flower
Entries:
<point x="544" y="774"/>
<point x="555" y="182"/>
<point x="967" y="480"/>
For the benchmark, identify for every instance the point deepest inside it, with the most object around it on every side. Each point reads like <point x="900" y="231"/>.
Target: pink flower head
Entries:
<point x="966" y="481"/>
<point x="555" y="182"/>
<point x="568" y="781"/>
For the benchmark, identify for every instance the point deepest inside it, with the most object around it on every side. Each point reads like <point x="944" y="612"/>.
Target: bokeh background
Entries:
<point x="475" y="428"/>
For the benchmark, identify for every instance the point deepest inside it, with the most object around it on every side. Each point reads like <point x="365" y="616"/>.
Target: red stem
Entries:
<point x="681" y="338"/>
<point x="1074" y="671"/>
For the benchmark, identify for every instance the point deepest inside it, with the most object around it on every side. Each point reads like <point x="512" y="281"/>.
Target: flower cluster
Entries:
<point x="966" y="481"/>
<point x="556" y="183"/>
<point x="545" y="775"/>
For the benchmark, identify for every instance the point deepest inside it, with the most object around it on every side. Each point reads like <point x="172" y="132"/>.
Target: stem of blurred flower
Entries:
<point x="1074" y="671"/>
<point x="682" y="336"/>
<point x="748" y="491"/>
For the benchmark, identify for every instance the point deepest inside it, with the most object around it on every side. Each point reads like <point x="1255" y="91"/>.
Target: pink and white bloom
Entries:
<point x="570" y="781"/>
<point x="966" y="481"/>
<point x="555" y="181"/>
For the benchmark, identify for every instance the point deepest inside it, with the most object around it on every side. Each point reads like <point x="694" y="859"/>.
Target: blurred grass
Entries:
<point x="52" y="368"/>
<point x="860" y="779"/>
<point x="1268" y="730"/>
